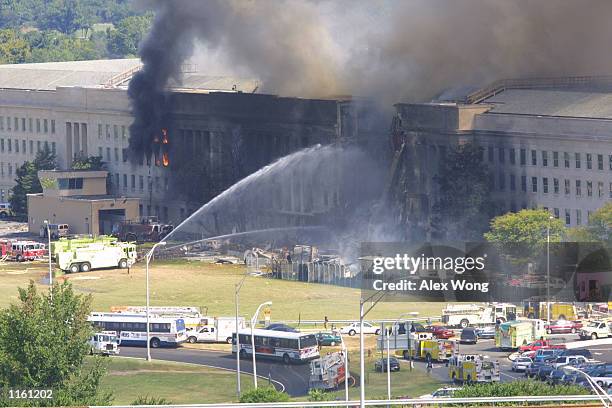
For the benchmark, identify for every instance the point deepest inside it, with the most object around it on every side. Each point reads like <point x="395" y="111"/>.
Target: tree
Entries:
<point x="27" y="181"/>
<point x="523" y="235"/>
<point x="516" y="389"/>
<point x="43" y="344"/>
<point x="13" y="48"/>
<point x="65" y="16"/>
<point x="598" y="229"/>
<point x="465" y="207"/>
<point x="89" y="163"/>
<point x="264" y="394"/>
<point x="125" y="39"/>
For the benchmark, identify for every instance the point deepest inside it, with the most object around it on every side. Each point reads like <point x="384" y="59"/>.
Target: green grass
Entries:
<point x="210" y="285"/>
<point x="178" y="383"/>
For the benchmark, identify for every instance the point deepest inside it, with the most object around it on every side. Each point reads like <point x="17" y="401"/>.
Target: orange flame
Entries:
<point x="164" y="136"/>
<point x="165" y="159"/>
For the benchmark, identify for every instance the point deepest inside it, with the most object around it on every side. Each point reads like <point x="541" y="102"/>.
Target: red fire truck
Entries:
<point x="24" y="250"/>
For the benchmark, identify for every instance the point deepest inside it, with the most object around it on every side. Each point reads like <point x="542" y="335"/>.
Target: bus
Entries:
<point x="287" y="346"/>
<point x="132" y="329"/>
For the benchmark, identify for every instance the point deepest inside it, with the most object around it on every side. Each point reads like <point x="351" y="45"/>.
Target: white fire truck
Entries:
<point x="105" y="343"/>
<point x="470" y="368"/>
<point x="464" y="315"/>
<point x="96" y="255"/>
<point x="327" y="372"/>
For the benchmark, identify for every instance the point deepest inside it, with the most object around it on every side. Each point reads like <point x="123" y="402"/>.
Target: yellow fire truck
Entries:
<point x="470" y="368"/>
<point x="439" y="350"/>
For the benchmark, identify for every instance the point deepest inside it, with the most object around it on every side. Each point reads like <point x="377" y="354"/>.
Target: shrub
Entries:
<point x="264" y="394"/>
<point x="146" y="400"/>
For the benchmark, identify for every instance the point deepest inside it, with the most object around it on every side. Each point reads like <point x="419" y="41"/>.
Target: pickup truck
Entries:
<point x="596" y="330"/>
<point x="539" y="344"/>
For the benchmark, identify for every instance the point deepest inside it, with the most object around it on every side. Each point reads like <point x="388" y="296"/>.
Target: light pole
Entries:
<point x="147" y="260"/>
<point x="362" y="314"/>
<point x="253" y="320"/>
<point x="548" y="269"/>
<point x="237" y="341"/>
<point x="346" y="370"/>
<point x="49" y="253"/>
<point x="388" y="367"/>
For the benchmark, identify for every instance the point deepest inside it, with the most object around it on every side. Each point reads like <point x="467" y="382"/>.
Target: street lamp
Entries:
<point x="362" y="314"/>
<point x="253" y="320"/>
<point x="548" y="269"/>
<point x="147" y="260"/>
<point x="599" y="391"/>
<point x="237" y="341"/>
<point x="49" y="253"/>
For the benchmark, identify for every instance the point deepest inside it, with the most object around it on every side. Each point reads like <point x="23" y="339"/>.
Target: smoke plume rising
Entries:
<point x="389" y="50"/>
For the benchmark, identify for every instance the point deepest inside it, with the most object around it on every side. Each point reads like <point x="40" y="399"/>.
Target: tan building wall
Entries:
<point x="94" y="182"/>
<point x="82" y="215"/>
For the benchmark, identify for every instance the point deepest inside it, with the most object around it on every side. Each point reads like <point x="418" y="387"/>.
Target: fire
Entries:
<point x="165" y="159"/>
<point x="164" y="136"/>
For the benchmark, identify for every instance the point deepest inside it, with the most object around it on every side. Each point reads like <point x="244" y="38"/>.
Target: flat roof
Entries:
<point x="274" y="333"/>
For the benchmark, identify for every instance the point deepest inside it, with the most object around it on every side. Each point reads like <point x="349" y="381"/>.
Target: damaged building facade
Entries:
<point x="220" y="130"/>
<point x="547" y="143"/>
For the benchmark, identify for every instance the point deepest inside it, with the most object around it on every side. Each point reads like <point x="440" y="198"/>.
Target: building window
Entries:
<point x="133" y="179"/>
<point x="2" y="124"/>
<point x="524" y="183"/>
<point x="502" y="181"/>
<point x="116" y="131"/>
<point x="534" y="184"/>
<point x="491" y="154"/>
<point x="610" y="162"/>
<point x="567" y="187"/>
<point x="157" y="183"/>
<point x="589" y="188"/>
<point x="30" y="122"/>
<point x="16" y="146"/>
<point x="512" y="156"/>
<point x="23" y="147"/>
<point x="556" y="212"/>
<point x="117" y="181"/>
<point x="555" y="159"/>
<point x="45" y="125"/>
<point x="99" y="131"/>
<point x="10" y="169"/>
<point x="568" y="219"/>
<point x="8" y="123"/>
<point x="16" y="123"/>
<point x="100" y="152"/>
<point x="125" y="181"/>
<point x="53" y="147"/>
<point x="165" y="209"/>
<point x="124" y="155"/>
<point x="512" y="182"/>
<point x="23" y="126"/>
<point x="117" y="154"/>
<point x="9" y="145"/>
<point x="577" y="157"/>
<point x="70" y="183"/>
<point x="123" y="132"/>
<point x="544" y="158"/>
<point x="566" y="159"/>
<point x="578" y="188"/>
<point x="141" y="182"/>
<point x="600" y="189"/>
<point x="38" y="146"/>
<point x="37" y="125"/>
<point x="52" y="125"/>
<point x="502" y="155"/>
<point x="523" y="157"/>
<point x="600" y="162"/>
<point x="589" y="160"/>
<point x="31" y="147"/>
<point x="610" y="190"/>
<point x="140" y="210"/>
<point x="108" y="132"/>
<point x="578" y="217"/>
<point x="2" y="145"/>
<point x="545" y="185"/>
<point x="556" y="185"/>
<point x="108" y="154"/>
<point x="534" y="158"/>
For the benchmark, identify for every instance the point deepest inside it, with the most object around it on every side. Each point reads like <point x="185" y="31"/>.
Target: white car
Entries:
<point x="353" y="329"/>
<point x="440" y="393"/>
<point x="521" y="363"/>
<point x="569" y="360"/>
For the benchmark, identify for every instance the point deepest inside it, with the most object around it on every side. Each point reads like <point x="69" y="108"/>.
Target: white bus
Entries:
<point x="287" y="346"/>
<point x="132" y="329"/>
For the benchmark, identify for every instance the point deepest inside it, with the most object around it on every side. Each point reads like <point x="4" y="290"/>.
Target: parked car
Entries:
<point x="487" y="332"/>
<point x="441" y="332"/>
<point x="532" y="370"/>
<point x="539" y="344"/>
<point x="596" y="330"/>
<point x="521" y="363"/>
<point x="543" y="354"/>
<point x="577" y="352"/>
<point x="563" y="326"/>
<point x="282" y="327"/>
<point x="446" y="392"/>
<point x="557" y="375"/>
<point x="468" y="335"/>
<point x="602" y="375"/>
<point x="353" y="329"/>
<point x="545" y="371"/>
<point x="5" y="210"/>
<point x="328" y="339"/>
<point x="569" y="360"/>
<point x="381" y="365"/>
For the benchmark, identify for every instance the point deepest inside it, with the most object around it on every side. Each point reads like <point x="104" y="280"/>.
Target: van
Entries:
<point x="468" y="335"/>
<point x="55" y="230"/>
<point x="5" y="210"/>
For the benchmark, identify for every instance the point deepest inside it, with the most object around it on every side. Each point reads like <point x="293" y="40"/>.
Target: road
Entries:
<point x="293" y="377"/>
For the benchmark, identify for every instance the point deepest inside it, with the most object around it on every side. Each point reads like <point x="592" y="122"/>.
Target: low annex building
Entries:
<point x="79" y="198"/>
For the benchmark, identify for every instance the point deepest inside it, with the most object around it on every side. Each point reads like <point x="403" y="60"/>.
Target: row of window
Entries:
<point x="20" y="146"/>
<point x="153" y="183"/>
<point x="552" y="185"/>
<point x="550" y="159"/>
<point x="134" y="327"/>
<point x="568" y="215"/>
<point x="157" y="212"/>
<point x="26" y="125"/>
<point x="116" y="131"/>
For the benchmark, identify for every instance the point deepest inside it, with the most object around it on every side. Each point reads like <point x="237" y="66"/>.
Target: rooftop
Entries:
<point x="114" y="73"/>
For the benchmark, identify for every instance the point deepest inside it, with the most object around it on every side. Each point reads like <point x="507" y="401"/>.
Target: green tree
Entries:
<point x="522" y="235"/>
<point x="13" y="48"/>
<point x="465" y="206"/>
<point x="598" y="229"/>
<point x="65" y="16"/>
<point x="27" y="181"/>
<point x="125" y="38"/>
<point x="43" y="344"/>
<point x="518" y="388"/>
<point x="264" y="394"/>
<point x="89" y="163"/>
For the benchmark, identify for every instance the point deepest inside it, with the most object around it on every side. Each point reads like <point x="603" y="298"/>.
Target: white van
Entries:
<point x="55" y="230"/>
<point x="105" y="343"/>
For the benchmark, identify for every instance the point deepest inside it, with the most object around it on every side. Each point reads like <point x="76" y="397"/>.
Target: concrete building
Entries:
<point x="81" y="109"/>
<point x="548" y="143"/>
<point x="78" y="198"/>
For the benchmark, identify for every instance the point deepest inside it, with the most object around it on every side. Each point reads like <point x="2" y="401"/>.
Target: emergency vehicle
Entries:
<point x="418" y="345"/>
<point x="511" y="335"/>
<point x="470" y="368"/>
<point x="97" y="255"/>
<point x="439" y="350"/>
<point x="105" y="343"/>
<point x="463" y="315"/>
<point x="23" y="250"/>
<point x="327" y="372"/>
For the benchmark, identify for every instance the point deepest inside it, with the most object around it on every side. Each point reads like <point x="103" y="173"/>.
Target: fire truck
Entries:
<point x="97" y="256"/>
<point x="418" y="345"/>
<point x="22" y="250"/>
<point x="463" y="315"/>
<point x="327" y="372"/>
<point x="470" y="368"/>
<point x="439" y="350"/>
<point x="511" y="335"/>
<point x="148" y="229"/>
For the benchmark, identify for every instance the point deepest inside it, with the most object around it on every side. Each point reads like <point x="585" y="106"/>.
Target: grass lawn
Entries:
<point x="178" y="383"/>
<point x="194" y="283"/>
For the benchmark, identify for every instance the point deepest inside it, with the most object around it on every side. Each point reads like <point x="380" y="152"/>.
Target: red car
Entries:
<point x="441" y="332"/>
<point x="563" y="326"/>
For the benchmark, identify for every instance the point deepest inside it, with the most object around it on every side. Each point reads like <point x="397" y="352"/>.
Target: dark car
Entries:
<point x="557" y="375"/>
<point x="577" y="352"/>
<point x="545" y="371"/>
<point x="533" y="369"/>
<point x="282" y="327"/>
<point x="381" y="365"/>
<point x="440" y="332"/>
<point x="468" y="335"/>
<point x="328" y="339"/>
